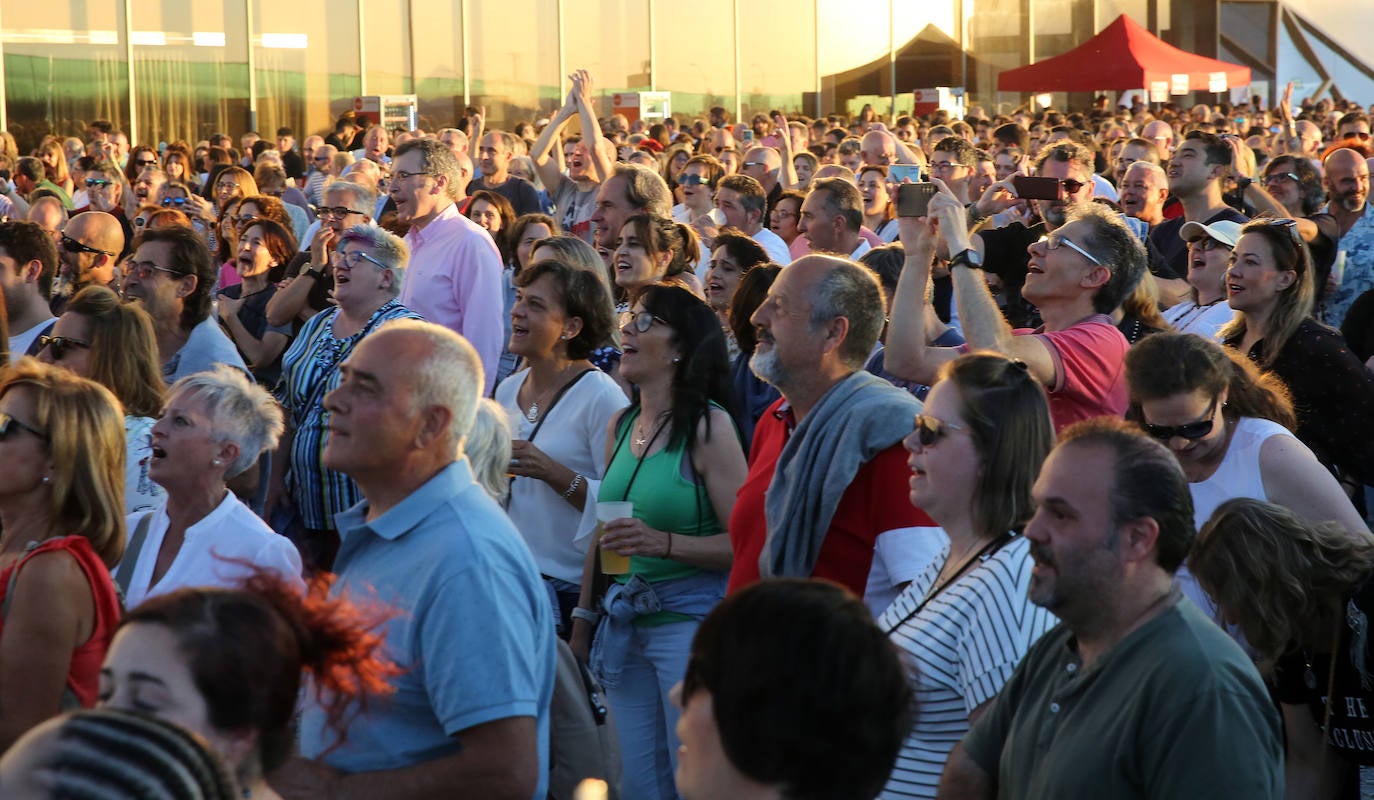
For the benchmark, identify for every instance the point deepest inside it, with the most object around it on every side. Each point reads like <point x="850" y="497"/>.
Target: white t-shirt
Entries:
<point x="230" y="533"/>
<point x="1205" y="321"/>
<point x="774" y="246"/>
<point x="20" y="342"/>
<point x="574" y="435"/>
<point x="899" y="557"/>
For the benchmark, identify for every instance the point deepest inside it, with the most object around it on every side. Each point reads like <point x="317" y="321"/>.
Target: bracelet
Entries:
<point x="586" y="615"/>
<point x="572" y="486"/>
<point x="669" y="553"/>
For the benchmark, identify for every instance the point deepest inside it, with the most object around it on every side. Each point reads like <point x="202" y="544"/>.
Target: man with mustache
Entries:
<point x="1347" y="187"/>
<point x="1137" y="693"/>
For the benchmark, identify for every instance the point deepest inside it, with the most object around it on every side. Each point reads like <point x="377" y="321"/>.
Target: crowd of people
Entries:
<point x="360" y="468"/>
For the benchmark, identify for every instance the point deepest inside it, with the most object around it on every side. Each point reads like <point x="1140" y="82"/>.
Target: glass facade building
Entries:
<point x="182" y="69"/>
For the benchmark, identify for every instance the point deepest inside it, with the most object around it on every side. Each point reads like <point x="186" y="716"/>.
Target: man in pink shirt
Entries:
<point x="1077" y="275"/>
<point x="454" y="278"/>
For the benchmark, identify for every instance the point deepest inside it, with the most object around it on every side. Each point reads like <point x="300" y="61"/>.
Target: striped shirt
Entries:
<point x="310" y="370"/>
<point x="961" y="647"/>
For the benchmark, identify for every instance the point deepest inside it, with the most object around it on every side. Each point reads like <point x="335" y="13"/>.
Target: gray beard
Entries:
<point x="766" y="368"/>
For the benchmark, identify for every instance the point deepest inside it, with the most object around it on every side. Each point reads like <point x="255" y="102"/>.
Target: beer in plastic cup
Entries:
<point x="612" y="563"/>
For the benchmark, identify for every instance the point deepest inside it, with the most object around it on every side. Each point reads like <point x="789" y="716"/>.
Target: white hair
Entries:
<point x="241" y="412"/>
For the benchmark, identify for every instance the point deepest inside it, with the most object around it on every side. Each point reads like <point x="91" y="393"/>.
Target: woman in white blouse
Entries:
<point x="965" y="623"/>
<point x="214" y="427"/>
<point x="562" y="313"/>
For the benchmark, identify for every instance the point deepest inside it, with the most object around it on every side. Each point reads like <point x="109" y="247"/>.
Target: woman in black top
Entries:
<point x="1269" y="284"/>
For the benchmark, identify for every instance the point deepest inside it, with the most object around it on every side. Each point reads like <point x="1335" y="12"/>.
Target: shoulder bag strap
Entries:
<point x="124" y="573"/>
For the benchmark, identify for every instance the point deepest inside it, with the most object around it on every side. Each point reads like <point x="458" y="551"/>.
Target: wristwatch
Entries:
<point x="1243" y="182"/>
<point x="967" y="258"/>
<point x="308" y="272"/>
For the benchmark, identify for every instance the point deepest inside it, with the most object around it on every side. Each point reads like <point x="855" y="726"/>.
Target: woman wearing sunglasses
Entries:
<point x="101" y="338"/>
<point x="368" y="267"/>
<point x="1269" y="284"/>
<point x="62" y="523"/>
<point x="676" y="456"/>
<point x="966" y="622"/>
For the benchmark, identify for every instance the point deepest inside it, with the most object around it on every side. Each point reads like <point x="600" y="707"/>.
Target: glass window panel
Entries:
<point x="777" y="60"/>
<point x="438" y="56"/>
<point x="64" y="66"/>
<point x="696" y="55"/>
<point x="306" y="55"/>
<point x="386" y="37"/>
<point x="609" y="39"/>
<point x="514" y="60"/>
<point x="190" y="69"/>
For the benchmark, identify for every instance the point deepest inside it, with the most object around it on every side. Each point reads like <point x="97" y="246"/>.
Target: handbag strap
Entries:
<point x="124" y="573"/>
<point x="554" y="402"/>
<point x="983" y="554"/>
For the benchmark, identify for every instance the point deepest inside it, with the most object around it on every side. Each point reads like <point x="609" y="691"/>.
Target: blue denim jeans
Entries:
<point x="645" y="718"/>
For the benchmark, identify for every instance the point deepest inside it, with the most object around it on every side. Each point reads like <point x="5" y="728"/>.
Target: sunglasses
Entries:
<point x="1188" y="430"/>
<point x="73" y="246"/>
<point x="1207" y="244"/>
<point x="92" y="183"/>
<point x="8" y="424"/>
<point x="143" y="270"/>
<point x="645" y="320"/>
<point x="1072" y="186"/>
<point x="60" y="344"/>
<point x="1291" y="225"/>
<point x="1055" y="241"/>
<point x="1277" y="177"/>
<point x="930" y="430"/>
<point x="174" y="201"/>
<point x="693" y="180"/>
<point x="145" y="163"/>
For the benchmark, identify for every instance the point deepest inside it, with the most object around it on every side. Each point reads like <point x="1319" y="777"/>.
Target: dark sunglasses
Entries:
<point x="1072" y="186"/>
<point x="1188" y="430"/>
<point x="1291" y="225"/>
<point x="8" y="424"/>
<point x="645" y="320"/>
<point x="930" y="430"/>
<point x="1207" y="244"/>
<point x="59" y="344"/>
<point x="73" y="246"/>
<point x="693" y="180"/>
<point x="145" y="163"/>
<point x="94" y="182"/>
<point x="174" y="201"/>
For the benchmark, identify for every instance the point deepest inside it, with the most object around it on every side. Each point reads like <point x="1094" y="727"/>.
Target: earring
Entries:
<point x="562" y="337"/>
<point x="676" y="360"/>
<point x="47" y="479"/>
<point x="217" y="462"/>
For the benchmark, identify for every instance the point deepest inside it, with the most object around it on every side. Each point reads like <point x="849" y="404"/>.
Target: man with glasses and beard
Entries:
<point x="88" y="251"/>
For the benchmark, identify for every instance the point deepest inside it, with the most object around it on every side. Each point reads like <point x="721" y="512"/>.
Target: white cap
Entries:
<point x="1224" y="231"/>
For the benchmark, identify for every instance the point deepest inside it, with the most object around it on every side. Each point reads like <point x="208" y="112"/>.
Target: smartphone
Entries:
<point x="913" y="199"/>
<point x="1031" y="188"/>
<point x="748" y="136"/>
<point x="899" y="172"/>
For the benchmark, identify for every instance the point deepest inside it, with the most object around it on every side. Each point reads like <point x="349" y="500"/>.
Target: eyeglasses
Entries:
<point x="320" y="159"/>
<point x="1207" y="244"/>
<point x="1055" y="241"/>
<point x="930" y="430"/>
<point x="401" y="174"/>
<point x="143" y="270"/>
<point x="944" y="166"/>
<point x="336" y="211"/>
<point x="174" y="201"/>
<point x="1072" y="186"/>
<point x="146" y="163"/>
<point x="243" y="220"/>
<point x="645" y="320"/>
<point x="59" y="344"/>
<point x="1278" y="177"/>
<point x="779" y="212"/>
<point x="350" y="260"/>
<point x="92" y="183"/>
<point x="756" y="163"/>
<point x="1188" y="430"/>
<point x="8" y="424"/>
<point x="73" y="246"/>
<point x="693" y="180"/>
<point x="1361" y="135"/>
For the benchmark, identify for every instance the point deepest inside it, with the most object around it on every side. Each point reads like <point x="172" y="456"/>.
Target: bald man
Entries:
<point x="1346" y="177"/>
<point x="763" y="165"/>
<point x="1162" y="134"/>
<point x="88" y="249"/>
<point x="51" y="216"/>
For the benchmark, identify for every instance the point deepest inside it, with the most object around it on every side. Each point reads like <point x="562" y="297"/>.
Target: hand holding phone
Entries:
<point x="913" y="199"/>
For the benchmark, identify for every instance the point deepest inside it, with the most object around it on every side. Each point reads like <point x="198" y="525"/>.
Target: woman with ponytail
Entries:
<point x="227" y="664"/>
<point x="652" y="249"/>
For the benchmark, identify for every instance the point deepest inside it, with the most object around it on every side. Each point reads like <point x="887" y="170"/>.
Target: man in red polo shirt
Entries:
<point x="827" y="472"/>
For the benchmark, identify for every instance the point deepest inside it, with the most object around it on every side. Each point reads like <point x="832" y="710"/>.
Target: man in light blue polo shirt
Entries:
<point x="474" y="633"/>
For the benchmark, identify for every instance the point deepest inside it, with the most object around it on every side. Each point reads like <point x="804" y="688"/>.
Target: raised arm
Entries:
<point x="602" y="165"/>
<point x="787" y="176"/>
<point x="549" y="167"/>
<point x="907" y="354"/>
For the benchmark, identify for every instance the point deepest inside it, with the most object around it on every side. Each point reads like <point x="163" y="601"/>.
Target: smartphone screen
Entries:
<point x="900" y="172"/>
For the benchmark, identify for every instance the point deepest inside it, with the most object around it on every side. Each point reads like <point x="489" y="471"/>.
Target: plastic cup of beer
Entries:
<point x="612" y="563"/>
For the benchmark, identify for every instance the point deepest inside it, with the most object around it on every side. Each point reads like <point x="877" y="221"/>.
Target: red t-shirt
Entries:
<point x="1090" y="371"/>
<point x="875" y="502"/>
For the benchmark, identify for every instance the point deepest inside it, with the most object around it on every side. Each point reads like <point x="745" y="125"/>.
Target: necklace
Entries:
<point x="532" y="413"/>
<point x="641" y="441"/>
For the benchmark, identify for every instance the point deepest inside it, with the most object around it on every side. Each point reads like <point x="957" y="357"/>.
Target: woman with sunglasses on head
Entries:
<point x="966" y="622"/>
<point x="676" y="456"/>
<point x="1269" y="284"/>
<point x="101" y="338"/>
<point x="61" y="530"/>
<point x="368" y="265"/>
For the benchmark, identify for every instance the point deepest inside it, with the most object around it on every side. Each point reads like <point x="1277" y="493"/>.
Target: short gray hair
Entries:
<point x="436" y="158"/>
<point x="449" y="375"/>
<point x="364" y="197"/>
<point x="241" y="412"/>
<point x="645" y="189"/>
<point x="1119" y="250"/>
<point x="386" y="247"/>
<point x="841" y="199"/>
<point x="488" y="448"/>
<point x="851" y="291"/>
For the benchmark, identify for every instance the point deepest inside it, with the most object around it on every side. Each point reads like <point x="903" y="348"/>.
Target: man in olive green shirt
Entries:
<point x="1136" y="694"/>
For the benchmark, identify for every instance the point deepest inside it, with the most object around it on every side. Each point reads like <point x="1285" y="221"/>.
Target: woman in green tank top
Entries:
<point x="676" y="456"/>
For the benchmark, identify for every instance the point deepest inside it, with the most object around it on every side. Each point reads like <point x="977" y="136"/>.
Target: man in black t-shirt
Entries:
<point x="1195" y="173"/>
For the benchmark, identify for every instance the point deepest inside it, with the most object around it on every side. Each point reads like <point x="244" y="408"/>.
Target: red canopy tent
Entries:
<point x="1123" y="56"/>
